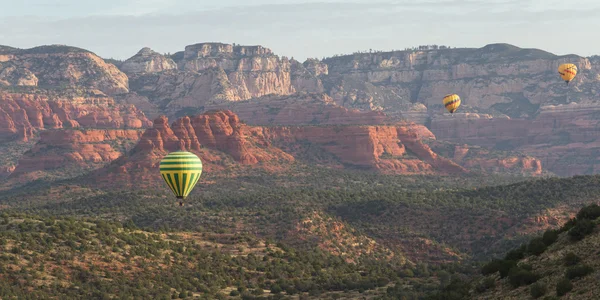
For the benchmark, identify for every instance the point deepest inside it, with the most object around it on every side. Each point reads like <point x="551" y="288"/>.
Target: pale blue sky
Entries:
<point x="300" y="28"/>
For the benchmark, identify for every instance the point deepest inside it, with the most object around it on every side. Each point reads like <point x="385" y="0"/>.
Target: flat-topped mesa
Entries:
<point x="204" y="50"/>
<point x="147" y="61"/>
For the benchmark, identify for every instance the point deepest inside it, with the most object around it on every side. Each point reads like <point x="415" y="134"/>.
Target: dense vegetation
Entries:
<point x="91" y="258"/>
<point x="349" y="223"/>
<point x="528" y="272"/>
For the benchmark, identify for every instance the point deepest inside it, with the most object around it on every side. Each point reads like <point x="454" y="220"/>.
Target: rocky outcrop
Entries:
<point x="300" y="109"/>
<point x="59" y="66"/>
<point x="482" y="160"/>
<point x="229" y="148"/>
<point x="564" y="138"/>
<point x="67" y="153"/>
<point x="383" y="148"/>
<point x="502" y="77"/>
<point x="213" y="73"/>
<point x="5" y="171"/>
<point x="147" y="61"/>
<point x="22" y="114"/>
<point x="213" y="134"/>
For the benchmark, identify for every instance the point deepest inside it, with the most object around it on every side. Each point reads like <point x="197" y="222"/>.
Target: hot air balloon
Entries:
<point x="451" y="102"/>
<point x="567" y="72"/>
<point x="181" y="171"/>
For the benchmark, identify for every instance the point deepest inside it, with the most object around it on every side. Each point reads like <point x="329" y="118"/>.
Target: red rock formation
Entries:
<point x="225" y="144"/>
<point x="22" y="114"/>
<point x="565" y="138"/>
<point x="413" y="142"/>
<point x="185" y="132"/>
<point x="68" y="149"/>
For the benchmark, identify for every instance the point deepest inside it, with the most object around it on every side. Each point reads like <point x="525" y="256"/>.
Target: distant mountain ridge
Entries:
<point x="508" y="91"/>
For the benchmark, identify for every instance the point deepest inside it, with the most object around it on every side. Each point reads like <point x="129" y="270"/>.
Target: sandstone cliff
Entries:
<point x="300" y="109"/>
<point x="22" y="114"/>
<point x="56" y="66"/>
<point x="211" y="73"/>
<point x="564" y="138"/>
<point x="147" y="61"/>
<point x="484" y="160"/>
<point x="69" y="153"/>
<point x="501" y="77"/>
<point x="229" y="147"/>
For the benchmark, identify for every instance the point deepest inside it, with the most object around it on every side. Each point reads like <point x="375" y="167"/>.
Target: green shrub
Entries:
<point x="518" y="277"/>
<point x="536" y="246"/>
<point x="485" y="285"/>
<point x="590" y="212"/>
<point x="550" y="236"/>
<point x="491" y="267"/>
<point x="516" y="254"/>
<point x="503" y="266"/>
<point x="537" y="290"/>
<point x="581" y="229"/>
<point x="568" y="225"/>
<point x="563" y="287"/>
<point x="571" y="259"/>
<point x="578" y="271"/>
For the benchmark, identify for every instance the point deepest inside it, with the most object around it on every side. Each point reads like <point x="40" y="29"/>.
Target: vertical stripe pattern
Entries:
<point x="181" y="171"/>
<point x="451" y="102"/>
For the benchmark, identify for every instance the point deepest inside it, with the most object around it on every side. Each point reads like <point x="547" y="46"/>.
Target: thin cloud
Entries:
<point x="315" y="29"/>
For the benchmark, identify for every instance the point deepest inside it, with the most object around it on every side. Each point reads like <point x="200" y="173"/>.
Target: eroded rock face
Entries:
<point x="300" y="109"/>
<point x="563" y="138"/>
<point x="22" y="114"/>
<point x="224" y="144"/>
<point x="74" y="150"/>
<point x="147" y="61"/>
<point x="394" y="149"/>
<point x="60" y="66"/>
<point x="210" y="73"/>
<point x="500" y="76"/>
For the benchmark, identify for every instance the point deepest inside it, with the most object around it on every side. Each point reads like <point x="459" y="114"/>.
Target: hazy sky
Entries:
<point x="300" y="28"/>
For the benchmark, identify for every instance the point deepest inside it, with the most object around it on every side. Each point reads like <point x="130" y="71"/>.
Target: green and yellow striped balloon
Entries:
<point x="181" y="171"/>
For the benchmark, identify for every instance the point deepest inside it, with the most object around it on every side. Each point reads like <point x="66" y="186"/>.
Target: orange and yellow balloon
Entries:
<point x="451" y="102"/>
<point x="567" y="72"/>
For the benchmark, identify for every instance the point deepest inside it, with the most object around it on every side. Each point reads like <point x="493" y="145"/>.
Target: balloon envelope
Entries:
<point x="567" y="72"/>
<point x="451" y="102"/>
<point x="181" y="171"/>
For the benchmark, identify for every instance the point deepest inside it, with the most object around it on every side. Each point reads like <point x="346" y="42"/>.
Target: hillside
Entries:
<point x="560" y="264"/>
<point x="60" y="257"/>
<point x="365" y="221"/>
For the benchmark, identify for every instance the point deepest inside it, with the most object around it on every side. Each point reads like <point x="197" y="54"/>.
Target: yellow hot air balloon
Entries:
<point x="451" y="102"/>
<point x="181" y="171"/>
<point x="567" y="72"/>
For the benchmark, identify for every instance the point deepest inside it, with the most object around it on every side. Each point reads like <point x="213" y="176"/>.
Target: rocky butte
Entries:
<point x="21" y="115"/>
<point x="507" y="89"/>
<point x="392" y="149"/>
<point x="213" y="73"/>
